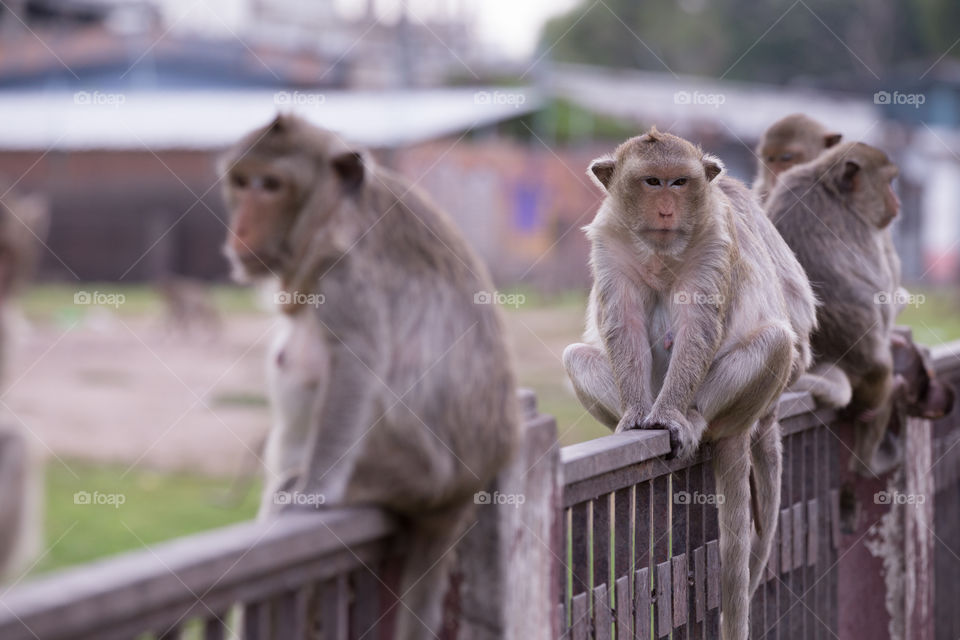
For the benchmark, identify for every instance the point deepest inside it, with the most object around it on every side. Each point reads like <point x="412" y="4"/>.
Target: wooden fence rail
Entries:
<point x="612" y="540"/>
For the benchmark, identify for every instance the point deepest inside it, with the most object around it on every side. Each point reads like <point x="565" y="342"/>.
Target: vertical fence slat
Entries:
<point x="365" y="610"/>
<point x="602" y="522"/>
<point x="664" y="616"/>
<point x="711" y="534"/>
<point x="623" y="532"/>
<point x="214" y="627"/>
<point x="641" y="598"/>
<point x="679" y="550"/>
<point x="580" y="625"/>
<point x="624" y="610"/>
<point x="602" y="616"/>
<point x="335" y="603"/>
<point x="256" y="621"/>
<point x="580" y="541"/>
<point x="562" y="617"/>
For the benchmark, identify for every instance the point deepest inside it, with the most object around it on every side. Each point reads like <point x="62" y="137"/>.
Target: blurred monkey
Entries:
<point x="835" y="213"/>
<point x="788" y="142"/>
<point x="390" y="385"/>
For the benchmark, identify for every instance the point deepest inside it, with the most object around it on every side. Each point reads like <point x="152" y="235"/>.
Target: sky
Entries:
<point x="508" y="26"/>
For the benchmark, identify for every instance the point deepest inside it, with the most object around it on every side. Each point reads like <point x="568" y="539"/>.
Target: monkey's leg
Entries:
<point x="871" y="424"/>
<point x="766" y="456"/>
<point x="592" y="376"/>
<point x="731" y="466"/>
<point x="827" y="383"/>
<point x="429" y="552"/>
<point x="745" y="381"/>
<point x="341" y="418"/>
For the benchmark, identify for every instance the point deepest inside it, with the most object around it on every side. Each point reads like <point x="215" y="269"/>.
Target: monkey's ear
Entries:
<point x="848" y="179"/>
<point x="601" y="170"/>
<point x="712" y="166"/>
<point x="349" y="166"/>
<point x="832" y="139"/>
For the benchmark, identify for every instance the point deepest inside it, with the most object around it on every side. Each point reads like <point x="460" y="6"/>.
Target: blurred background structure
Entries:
<point x="113" y="112"/>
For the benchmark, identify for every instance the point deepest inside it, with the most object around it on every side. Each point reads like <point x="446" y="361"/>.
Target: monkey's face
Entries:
<point x="282" y="184"/>
<point x="779" y="158"/>
<point x="865" y="176"/>
<point x="264" y="201"/>
<point x="794" y="140"/>
<point x="659" y="203"/>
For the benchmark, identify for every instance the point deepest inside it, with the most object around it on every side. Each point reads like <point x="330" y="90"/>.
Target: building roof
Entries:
<point x="65" y="120"/>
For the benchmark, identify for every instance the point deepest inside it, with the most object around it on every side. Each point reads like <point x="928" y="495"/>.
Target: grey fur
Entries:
<point x="396" y="390"/>
<point x="792" y="140"/>
<point x="836" y="219"/>
<point x="698" y="318"/>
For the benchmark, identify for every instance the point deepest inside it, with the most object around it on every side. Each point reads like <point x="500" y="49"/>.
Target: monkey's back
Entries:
<point x="452" y="411"/>
<point x="843" y="259"/>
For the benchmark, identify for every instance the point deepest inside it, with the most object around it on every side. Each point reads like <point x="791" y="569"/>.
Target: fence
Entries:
<point x="613" y="540"/>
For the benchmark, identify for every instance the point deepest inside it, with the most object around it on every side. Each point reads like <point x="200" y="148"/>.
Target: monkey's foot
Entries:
<point x="685" y="434"/>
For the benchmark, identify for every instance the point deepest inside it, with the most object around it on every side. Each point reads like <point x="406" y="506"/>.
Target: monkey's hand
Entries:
<point x="632" y="419"/>
<point x="685" y="434"/>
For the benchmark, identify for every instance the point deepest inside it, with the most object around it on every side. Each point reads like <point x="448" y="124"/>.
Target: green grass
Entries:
<point x="161" y="506"/>
<point x="155" y="507"/>
<point x="58" y="301"/>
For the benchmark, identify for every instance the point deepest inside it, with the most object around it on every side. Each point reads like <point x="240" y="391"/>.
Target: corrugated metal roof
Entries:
<point x="214" y="119"/>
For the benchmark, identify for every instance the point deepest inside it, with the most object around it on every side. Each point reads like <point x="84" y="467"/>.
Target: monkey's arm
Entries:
<point x="621" y="320"/>
<point x="339" y="421"/>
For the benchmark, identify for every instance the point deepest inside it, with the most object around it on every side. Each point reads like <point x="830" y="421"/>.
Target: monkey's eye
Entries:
<point x="271" y="184"/>
<point x="679" y="182"/>
<point x="786" y="157"/>
<point x="653" y="182"/>
<point x="771" y="158"/>
<point x="239" y="180"/>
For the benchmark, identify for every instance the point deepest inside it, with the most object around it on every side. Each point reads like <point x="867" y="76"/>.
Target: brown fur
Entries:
<point x="788" y="142"/>
<point x="689" y="328"/>
<point x="835" y="213"/>
<point x="397" y="389"/>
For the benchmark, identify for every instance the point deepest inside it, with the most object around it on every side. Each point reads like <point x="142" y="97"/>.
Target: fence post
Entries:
<point x="886" y="549"/>
<point x="507" y="577"/>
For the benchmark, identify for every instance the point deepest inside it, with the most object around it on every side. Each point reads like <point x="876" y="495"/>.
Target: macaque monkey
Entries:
<point x="790" y="141"/>
<point x="390" y="385"/>
<point x="835" y="213"/>
<point x="188" y="306"/>
<point x="689" y="329"/>
<point x="24" y="220"/>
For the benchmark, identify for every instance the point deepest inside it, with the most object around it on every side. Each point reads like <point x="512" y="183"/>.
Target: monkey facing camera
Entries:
<point x="699" y="317"/>
<point x="790" y="141"/>
<point x="398" y="390"/>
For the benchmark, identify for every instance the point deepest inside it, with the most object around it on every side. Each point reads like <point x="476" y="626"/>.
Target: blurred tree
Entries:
<point x="812" y="41"/>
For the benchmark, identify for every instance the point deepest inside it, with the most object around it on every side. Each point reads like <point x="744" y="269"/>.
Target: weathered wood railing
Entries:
<point x="612" y="540"/>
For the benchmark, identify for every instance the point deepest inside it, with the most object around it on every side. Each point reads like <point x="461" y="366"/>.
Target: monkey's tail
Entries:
<point x="428" y="556"/>
<point x="766" y="457"/>
<point x="731" y="467"/>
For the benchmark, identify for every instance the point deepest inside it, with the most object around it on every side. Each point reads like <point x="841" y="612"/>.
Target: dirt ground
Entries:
<point x="121" y="388"/>
<point x="124" y="389"/>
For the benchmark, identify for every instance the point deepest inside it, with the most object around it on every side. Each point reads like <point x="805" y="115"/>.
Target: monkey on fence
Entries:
<point x="390" y="379"/>
<point x="698" y="318"/>
<point x="24" y="220"/>
<point x="835" y="213"/>
<point x="788" y="142"/>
